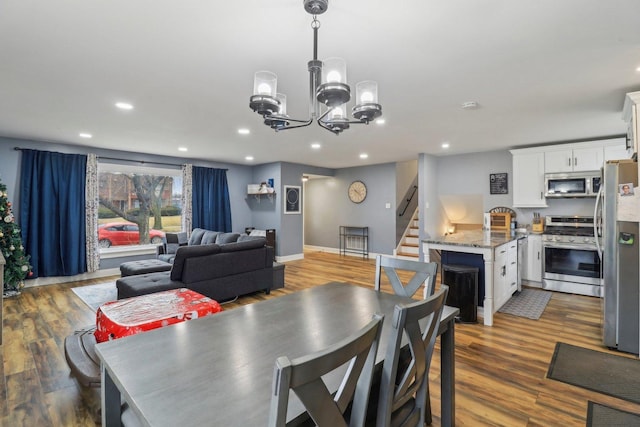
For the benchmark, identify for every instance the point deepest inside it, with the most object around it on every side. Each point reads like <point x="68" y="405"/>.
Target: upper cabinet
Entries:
<point x="583" y="156"/>
<point x="530" y="165"/>
<point x="528" y="178"/>
<point x="630" y="116"/>
<point x="573" y="159"/>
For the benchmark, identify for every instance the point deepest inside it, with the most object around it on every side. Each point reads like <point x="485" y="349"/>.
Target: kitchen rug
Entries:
<point x="96" y="295"/>
<point x="599" y="415"/>
<point x="529" y="303"/>
<point x="605" y="373"/>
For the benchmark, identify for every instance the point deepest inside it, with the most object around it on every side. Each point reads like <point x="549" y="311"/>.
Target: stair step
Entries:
<point x="407" y="255"/>
<point x="410" y="249"/>
<point x="410" y="244"/>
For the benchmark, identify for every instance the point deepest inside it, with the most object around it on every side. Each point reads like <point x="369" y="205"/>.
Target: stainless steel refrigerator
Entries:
<point x="620" y="238"/>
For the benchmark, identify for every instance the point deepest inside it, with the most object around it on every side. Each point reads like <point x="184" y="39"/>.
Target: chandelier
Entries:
<point x="327" y="85"/>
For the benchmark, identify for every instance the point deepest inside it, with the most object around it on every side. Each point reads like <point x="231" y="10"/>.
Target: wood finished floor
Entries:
<point x="500" y="370"/>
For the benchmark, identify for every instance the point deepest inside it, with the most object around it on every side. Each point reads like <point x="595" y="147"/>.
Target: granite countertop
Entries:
<point x="476" y="238"/>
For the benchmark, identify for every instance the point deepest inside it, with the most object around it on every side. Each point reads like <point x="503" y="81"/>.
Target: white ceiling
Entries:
<point x="542" y="71"/>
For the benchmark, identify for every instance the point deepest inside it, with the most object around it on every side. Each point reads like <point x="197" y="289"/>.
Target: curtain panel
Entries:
<point x="91" y="212"/>
<point x="52" y="212"/>
<point x="210" y="199"/>
<point x="187" y="204"/>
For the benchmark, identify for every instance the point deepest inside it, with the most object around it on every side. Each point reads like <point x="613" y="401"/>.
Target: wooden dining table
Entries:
<point x="218" y="370"/>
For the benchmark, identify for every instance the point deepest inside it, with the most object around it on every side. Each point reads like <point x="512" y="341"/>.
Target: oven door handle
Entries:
<point x="569" y="246"/>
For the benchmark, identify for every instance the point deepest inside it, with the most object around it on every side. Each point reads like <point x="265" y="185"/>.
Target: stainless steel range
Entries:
<point x="571" y="262"/>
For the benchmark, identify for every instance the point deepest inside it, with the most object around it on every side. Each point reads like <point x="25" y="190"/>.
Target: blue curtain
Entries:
<point x="211" y="206"/>
<point x="52" y="212"/>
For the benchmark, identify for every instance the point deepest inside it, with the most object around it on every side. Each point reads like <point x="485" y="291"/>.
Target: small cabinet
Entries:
<point x="575" y="159"/>
<point x="532" y="271"/>
<point x="528" y="179"/>
<point x="505" y="272"/>
<point x="630" y="116"/>
<point x="616" y="150"/>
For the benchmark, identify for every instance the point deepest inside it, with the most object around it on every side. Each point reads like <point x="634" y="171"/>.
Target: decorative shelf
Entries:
<point x="259" y="196"/>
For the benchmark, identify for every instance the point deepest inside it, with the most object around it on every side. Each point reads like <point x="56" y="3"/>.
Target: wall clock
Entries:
<point x="357" y="191"/>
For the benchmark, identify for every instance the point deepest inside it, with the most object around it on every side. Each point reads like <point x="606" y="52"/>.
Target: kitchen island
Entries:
<point x="499" y="251"/>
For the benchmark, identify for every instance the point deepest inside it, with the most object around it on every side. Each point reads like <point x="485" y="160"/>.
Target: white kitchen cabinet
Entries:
<point x="616" y="150"/>
<point x="528" y="178"/>
<point x="505" y="272"/>
<point x="511" y="284"/>
<point x="533" y="269"/>
<point x="573" y="159"/>
<point x="630" y="116"/>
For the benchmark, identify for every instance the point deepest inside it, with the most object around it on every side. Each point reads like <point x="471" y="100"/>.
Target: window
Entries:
<point x="138" y="204"/>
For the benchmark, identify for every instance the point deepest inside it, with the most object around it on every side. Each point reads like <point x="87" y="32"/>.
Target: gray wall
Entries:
<point x="469" y="174"/>
<point x="327" y="207"/>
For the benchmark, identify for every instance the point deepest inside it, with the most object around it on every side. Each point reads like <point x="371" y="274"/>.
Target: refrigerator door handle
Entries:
<point x="597" y="222"/>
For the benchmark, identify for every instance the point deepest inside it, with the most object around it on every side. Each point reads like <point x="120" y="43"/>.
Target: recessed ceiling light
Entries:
<point x="182" y="149"/>
<point x="85" y="135"/>
<point x="244" y="131"/>
<point x="380" y="121"/>
<point x="316" y="146"/>
<point x="249" y="158"/>
<point x="364" y="156"/>
<point x="445" y="145"/>
<point x="638" y="69"/>
<point x="124" y="106"/>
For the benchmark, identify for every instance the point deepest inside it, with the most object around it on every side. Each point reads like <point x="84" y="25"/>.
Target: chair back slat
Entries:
<point x="424" y="273"/>
<point x="414" y="325"/>
<point x="304" y="376"/>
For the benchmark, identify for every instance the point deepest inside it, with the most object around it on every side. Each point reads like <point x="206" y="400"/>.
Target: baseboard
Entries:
<point x="43" y="281"/>
<point x="372" y="255"/>
<point x="289" y="258"/>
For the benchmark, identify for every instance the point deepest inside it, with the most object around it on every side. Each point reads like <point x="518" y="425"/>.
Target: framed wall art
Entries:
<point x="498" y="183"/>
<point x="292" y="200"/>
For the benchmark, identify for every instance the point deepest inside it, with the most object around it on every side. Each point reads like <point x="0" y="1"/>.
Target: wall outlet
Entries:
<point x="387" y="205"/>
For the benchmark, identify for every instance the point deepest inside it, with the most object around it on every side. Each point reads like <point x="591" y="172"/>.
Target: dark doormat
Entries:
<point x="599" y="415"/>
<point x="605" y="373"/>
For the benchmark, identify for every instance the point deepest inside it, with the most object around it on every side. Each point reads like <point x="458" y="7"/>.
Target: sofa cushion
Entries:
<point x="243" y="245"/>
<point x="244" y="237"/>
<point x="227" y="238"/>
<point x="186" y="252"/>
<point x="225" y="264"/>
<point x="196" y="236"/>
<point x="209" y="237"/>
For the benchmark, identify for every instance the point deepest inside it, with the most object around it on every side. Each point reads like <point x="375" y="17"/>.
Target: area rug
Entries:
<point x="96" y="295"/>
<point x="599" y="415"/>
<point x="604" y="373"/>
<point x="529" y="303"/>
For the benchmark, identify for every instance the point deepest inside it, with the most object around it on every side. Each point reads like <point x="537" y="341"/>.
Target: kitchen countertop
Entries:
<point x="476" y="238"/>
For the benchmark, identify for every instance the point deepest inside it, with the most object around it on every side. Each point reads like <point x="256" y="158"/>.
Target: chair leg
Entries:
<point x="427" y="409"/>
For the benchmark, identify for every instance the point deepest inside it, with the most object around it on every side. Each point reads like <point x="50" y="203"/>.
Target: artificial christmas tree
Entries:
<point x="17" y="266"/>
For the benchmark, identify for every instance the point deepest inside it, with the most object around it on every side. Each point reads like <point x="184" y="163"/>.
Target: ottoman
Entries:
<point x="133" y="268"/>
<point x="278" y="275"/>
<point x="131" y="316"/>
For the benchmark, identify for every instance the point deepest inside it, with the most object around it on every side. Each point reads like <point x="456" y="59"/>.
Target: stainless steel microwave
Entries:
<point x="572" y="184"/>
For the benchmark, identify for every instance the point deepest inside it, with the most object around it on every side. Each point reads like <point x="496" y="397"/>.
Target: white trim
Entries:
<point x="122" y="251"/>
<point x="372" y="255"/>
<point x="294" y="257"/>
<point x="41" y="281"/>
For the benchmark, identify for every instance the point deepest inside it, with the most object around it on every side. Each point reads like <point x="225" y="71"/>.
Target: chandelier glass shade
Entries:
<point x="327" y="86"/>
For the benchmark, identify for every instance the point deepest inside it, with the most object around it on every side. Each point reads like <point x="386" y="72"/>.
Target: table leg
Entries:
<point x="111" y="407"/>
<point x="447" y="377"/>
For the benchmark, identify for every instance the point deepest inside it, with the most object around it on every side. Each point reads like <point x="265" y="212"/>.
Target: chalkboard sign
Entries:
<point x="498" y="183"/>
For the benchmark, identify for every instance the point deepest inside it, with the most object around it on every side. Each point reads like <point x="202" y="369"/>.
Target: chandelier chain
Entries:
<point x="315" y="24"/>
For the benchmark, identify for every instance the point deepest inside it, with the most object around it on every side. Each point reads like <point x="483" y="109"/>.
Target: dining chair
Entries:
<point x="424" y="272"/>
<point x="404" y="398"/>
<point x="304" y="375"/>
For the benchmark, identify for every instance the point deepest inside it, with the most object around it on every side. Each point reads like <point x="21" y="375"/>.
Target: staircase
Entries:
<point x="409" y="246"/>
